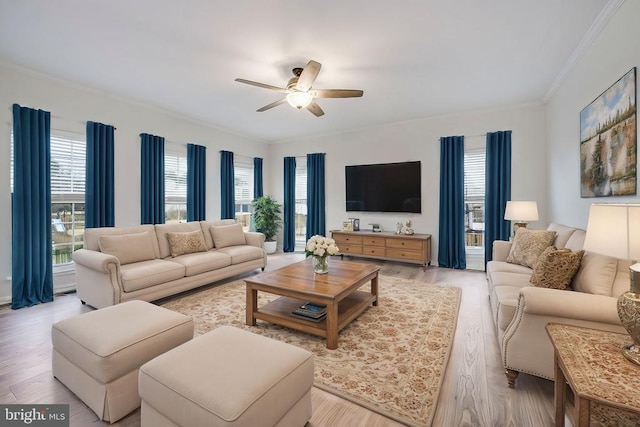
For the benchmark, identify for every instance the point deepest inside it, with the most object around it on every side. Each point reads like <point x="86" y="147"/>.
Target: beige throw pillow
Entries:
<point x="128" y="248"/>
<point x="186" y="243"/>
<point x="227" y="235"/>
<point x="528" y="245"/>
<point x="555" y="268"/>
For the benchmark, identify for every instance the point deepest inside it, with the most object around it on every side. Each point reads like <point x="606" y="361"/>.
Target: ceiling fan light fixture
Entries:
<point x="299" y="100"/>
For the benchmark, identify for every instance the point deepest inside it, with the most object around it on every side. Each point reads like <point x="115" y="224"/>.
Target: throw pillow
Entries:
<point x="555" y="268"/>
<point x="528" y="245"/>
<point x="128" y="248"/>
<point x="186" y="243"/>
<point x="227" y="235"/>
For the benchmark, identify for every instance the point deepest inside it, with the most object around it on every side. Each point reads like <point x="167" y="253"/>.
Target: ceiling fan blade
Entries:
<point x="308" y="76"/>
<point x="262" y="85"/>
<point x="337" y="93"/>
<point x="315" y="109"/>
<point x="270" y="106"/>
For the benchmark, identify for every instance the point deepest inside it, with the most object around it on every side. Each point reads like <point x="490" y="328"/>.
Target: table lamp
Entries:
<point x="614" y="230"/>
<point x="521" y="212"/>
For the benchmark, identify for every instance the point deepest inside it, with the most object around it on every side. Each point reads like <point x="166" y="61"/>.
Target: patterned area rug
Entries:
<point x="391" y="359"/>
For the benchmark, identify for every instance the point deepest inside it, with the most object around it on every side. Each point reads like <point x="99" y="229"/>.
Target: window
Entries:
<point x="301" y="201"/>
<point x="474" y="183"/>
<point x="243" y="187"/>
<point x="68" y="152"/>
<point x="175" y="187"/>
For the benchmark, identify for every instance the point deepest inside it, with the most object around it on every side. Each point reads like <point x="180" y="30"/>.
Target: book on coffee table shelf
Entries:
<point x="310" y="311"/>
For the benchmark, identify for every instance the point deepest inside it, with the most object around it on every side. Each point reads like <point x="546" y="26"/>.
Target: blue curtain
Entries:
<point x="227" y="186"/>
<point x="315" y="195"/>
<point x="31" y="251"/>
<point x="196" y="182"/>
<point x="152" y="179"/>
<point x="451" y="242"/>
<point x="289" y="208"/>
<point x="498" y="189"/>
<point x="99" y="190"/>
<point x="258" y="190"/>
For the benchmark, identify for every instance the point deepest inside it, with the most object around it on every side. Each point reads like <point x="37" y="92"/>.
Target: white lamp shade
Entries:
<point x="299" y="100"/>
<point x="520" y="211"/>
<point x="614" y="230"/>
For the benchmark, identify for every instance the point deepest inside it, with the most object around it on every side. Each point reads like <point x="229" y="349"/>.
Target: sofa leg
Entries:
<point x="262" y="269"/>
<point x="83" y="302"/>
<point x="511" y="377"/>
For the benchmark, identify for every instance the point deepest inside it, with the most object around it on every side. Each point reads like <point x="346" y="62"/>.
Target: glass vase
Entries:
<point x="321" y="264"/>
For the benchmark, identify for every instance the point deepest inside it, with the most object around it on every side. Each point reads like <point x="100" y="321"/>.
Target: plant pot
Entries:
<point x="270" y="247"/>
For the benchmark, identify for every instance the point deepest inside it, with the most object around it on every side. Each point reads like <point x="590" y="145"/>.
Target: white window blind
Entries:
<point x="68" y="157"/>
<point x="301" y="178"/>
<point x="175" y="177"/>
<point x="243" y="182"/>
<point x="474" y="175"/>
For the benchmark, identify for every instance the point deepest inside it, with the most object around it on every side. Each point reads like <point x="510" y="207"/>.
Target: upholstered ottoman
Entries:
<point x="228" y="377"/>
<point x="97" y="354"/>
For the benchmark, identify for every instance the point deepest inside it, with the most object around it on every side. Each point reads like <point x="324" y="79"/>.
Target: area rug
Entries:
<point x="391" y="359"/>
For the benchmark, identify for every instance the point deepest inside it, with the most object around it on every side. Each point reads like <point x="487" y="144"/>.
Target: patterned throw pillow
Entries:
<point x="528" y="245"/>
<point x="186" y="243"/>
<point x="555" y="268"/>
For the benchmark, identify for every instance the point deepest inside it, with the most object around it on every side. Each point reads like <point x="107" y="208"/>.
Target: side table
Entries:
<point x="590" y="362"/>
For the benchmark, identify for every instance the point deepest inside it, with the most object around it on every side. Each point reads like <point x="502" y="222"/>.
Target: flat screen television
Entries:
<point x="387" y="187"/>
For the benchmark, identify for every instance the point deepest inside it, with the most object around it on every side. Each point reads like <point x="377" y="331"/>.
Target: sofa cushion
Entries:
<point x="503" y="266"/>
<point x="563" y="234"/>
<point x="528" y="245"/>
<point x="201" y="262"/>
<point x="143" y="274"/>
<point x="555" y="268"/>
<point x="186" y="243"/>
<point x="240" y="254"/>
<point x="163" y="229"/>
<point x="227" y="235"/>
<point x="596" y="274"/>
<point x="128" y="248"/>
<point x="206" y="225"/>
<point x="92" y="235"/>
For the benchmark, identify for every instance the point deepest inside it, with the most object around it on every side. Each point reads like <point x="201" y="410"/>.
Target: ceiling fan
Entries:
<point x="299" y="92"/>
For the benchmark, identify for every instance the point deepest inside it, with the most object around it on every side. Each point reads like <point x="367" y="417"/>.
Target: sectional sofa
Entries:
<point x="149" y="262"/>
<point x="521" y="310"/>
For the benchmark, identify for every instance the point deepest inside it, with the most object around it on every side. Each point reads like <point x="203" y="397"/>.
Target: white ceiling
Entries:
<point x="412" y="58"/>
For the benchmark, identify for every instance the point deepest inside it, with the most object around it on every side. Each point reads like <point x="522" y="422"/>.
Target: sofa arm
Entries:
<point x="569" y="305"/>
<point x="95" y="260"/>
<point x="254" y="238"/>
<point x="97" y="278"/>
<point x="501" y="250"/>
<point x="526" y="346"/>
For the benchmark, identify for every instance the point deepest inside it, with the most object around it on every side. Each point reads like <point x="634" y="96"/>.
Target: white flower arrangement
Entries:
<point x="320" y="246"/>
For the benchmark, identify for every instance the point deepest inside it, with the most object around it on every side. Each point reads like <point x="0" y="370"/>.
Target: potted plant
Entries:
<point x="267" y="219"/>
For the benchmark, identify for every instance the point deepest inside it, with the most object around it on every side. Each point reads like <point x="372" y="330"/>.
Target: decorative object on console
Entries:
<point x="356" y="223"/>
<point x="608" y="141"/>
<point x="614" y="230"/>
<point x="376" y="228"/>
<point x="399" y="227"/>
<point x="320" y="248"/>
<point x="347" y="226"/>
<point x="408" y="230"/>
<point x="521" y="212"/>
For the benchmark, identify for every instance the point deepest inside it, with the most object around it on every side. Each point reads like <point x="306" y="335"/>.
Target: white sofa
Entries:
<point x="119" y="264"/>
<point x="521" y="311"/>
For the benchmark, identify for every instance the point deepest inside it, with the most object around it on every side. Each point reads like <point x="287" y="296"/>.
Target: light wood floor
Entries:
<point x="474" y="392"/>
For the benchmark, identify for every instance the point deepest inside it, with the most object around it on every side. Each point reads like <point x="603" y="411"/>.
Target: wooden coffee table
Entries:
<point x="297" y="284"/>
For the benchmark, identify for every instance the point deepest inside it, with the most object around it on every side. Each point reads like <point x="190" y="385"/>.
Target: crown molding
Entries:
<point x="587" y="41"/>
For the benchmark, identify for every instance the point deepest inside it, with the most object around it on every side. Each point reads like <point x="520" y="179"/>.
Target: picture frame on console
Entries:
<point x="608" y="141"/>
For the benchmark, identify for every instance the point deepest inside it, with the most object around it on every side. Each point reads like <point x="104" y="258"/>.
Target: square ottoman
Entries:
<point x="97" y="354"/>
<point x="228" y="377"/>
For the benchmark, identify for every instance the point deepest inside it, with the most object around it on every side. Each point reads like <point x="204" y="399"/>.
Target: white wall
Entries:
<point x="71" y="107"/>
<point x="419" y="140"/>
<point x="613" y="54"/>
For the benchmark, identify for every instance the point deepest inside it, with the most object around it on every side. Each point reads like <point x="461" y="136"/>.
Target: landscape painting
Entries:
<point x="608" y="141"/>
